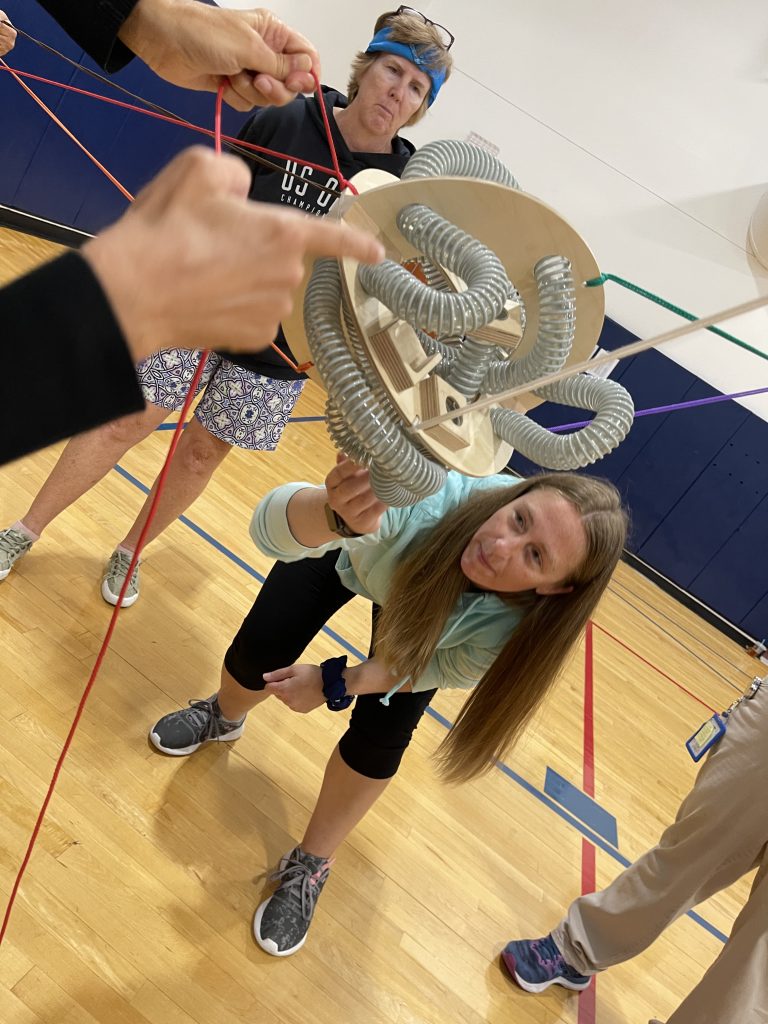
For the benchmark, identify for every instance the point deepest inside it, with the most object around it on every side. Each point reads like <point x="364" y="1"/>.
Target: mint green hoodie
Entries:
<point x="480" y="624"/>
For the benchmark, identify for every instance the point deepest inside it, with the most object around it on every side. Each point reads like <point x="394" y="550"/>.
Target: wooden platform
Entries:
<point x="137" y="905"/>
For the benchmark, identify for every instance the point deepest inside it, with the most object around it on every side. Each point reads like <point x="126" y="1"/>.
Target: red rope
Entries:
<point x="113" y="620"/>
<point x="217" y="134"/>
<point x="334" y="158"/>
<point x="55" y="119"/>
<point x="179" y="122"/>
<point x="174" y="441"/>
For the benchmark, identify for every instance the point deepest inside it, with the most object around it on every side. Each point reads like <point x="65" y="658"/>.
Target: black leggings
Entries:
<point x="293" y="605"/>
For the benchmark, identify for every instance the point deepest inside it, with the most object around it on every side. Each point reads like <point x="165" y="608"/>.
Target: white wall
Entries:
<point x="643" y="124"/>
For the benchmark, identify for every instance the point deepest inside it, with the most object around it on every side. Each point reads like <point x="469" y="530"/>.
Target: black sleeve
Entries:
<point x="66" y="366"/>
<point x="94" y="24"/>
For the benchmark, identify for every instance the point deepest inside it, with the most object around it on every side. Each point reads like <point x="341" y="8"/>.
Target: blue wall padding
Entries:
<point x="716" y="505"/>
<point x="755" y="622"/>
<point x="695" y="482"/>
<point x="674" y="458"/>
<point x="664" y="384"/>
<point x="23" y="122"/>
<point x="736" y="578"/>
<point x="43" y="172"/>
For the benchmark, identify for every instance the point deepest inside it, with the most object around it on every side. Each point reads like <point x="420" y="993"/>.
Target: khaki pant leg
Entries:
<point x="735" y="988"/>
<point x="718" y="835"/>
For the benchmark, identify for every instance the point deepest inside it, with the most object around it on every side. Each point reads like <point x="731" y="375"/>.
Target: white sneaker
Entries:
<point x="13" y="545"/>
<point x="114" y="577"/>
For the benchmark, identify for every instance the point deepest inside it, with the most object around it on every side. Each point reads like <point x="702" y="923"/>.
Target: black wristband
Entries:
<point x="334" y="687"/>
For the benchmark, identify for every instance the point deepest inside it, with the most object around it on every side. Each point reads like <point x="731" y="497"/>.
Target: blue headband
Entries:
<point x="382" y="43"/>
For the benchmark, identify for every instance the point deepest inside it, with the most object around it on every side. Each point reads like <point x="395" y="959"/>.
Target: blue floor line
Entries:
<point x="585" y="807"/>
<point x="593" y="837"/>
<point x="237" y="560"/>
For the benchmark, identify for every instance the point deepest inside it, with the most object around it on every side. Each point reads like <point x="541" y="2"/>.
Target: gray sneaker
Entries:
<point x="114" y="577"/>
<point x="281" y="923"/>
<point x="13" y="545"/>
<point x="182" y="732"/>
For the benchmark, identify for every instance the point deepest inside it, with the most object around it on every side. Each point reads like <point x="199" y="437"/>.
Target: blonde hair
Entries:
<point x="429" y="581"/>
<point x="408" y="29"/>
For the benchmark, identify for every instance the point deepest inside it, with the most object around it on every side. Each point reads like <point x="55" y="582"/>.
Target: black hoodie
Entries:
<point x="297" y="130"/>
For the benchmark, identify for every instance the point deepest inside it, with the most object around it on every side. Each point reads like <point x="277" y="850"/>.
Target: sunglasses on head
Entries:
<point x="446" y="38"/>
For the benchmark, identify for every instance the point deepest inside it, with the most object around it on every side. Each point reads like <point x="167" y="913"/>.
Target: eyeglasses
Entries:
<point x="446" y="38"/>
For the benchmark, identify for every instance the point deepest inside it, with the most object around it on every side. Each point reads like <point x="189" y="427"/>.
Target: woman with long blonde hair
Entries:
<point x="484" y="586"/>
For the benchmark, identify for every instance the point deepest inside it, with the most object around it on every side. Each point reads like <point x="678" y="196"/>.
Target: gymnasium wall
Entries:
<point x="643" y="124"/>
<point x="42" y="171"/>
<point x="694" y="481"/>
<point x="637" y="124"/>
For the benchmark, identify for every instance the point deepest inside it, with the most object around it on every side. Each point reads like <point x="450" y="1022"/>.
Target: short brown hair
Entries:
<point x="408" y="29"/>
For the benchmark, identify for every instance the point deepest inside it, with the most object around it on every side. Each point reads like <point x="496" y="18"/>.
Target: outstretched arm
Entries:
<point x="194" y="45"/>
<point x="191" y="263"/>
<point x="194" y="263"/>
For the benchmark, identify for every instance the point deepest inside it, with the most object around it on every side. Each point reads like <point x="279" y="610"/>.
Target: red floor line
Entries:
<point x="588" y="998"/>
<point x="589" y="715"/>
<point x="654" y="667"/>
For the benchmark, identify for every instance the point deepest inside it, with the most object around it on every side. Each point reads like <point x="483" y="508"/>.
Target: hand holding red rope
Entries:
<point x="193" y="45"/>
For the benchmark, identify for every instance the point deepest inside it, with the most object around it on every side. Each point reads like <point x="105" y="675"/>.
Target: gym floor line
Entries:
<point x="529" y="787"/>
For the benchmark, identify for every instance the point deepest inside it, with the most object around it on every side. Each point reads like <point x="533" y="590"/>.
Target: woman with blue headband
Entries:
<point x="248" y="398"/>
<point x="409" y="35"/>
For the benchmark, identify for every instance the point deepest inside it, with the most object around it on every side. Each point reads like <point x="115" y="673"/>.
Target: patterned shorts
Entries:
<point x="238" y="406"/>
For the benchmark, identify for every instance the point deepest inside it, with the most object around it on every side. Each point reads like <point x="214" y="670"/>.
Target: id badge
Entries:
<point x="705" y="737"/>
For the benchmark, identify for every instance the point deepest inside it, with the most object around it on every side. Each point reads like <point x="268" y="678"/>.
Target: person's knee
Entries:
<point x="378" y="736"/>
<point x="129" y="430"/>
<point x="368" y="756"/>
<point x="200" y="452"/>
<point x="242" y="669"/>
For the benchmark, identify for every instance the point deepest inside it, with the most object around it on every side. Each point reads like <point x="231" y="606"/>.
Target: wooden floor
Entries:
<point x="137" y="904"/>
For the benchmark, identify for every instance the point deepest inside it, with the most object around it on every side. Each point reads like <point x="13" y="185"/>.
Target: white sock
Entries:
<point x="26" y="531"/>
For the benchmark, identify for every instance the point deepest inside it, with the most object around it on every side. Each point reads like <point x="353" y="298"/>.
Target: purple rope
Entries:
<point x="669" y="408"/>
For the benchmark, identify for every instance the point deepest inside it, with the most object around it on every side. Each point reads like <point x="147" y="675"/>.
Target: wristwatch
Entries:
<point x="337" y="525"/>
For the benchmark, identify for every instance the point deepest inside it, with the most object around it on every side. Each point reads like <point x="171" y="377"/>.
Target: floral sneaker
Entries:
<point x="535" y="964"/>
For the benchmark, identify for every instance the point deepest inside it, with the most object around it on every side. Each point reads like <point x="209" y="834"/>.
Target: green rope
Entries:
<point x="596" y="281"/>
